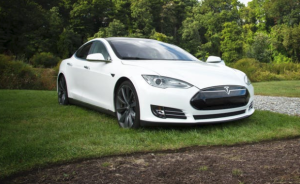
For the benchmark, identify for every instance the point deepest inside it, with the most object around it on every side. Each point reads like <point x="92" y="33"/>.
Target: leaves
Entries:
<point x="265" y="30"/>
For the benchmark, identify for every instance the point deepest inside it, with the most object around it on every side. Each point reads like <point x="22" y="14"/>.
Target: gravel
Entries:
<point x="283" y="105"/>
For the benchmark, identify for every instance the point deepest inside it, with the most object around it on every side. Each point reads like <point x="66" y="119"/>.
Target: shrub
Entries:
<point x="16" y="74"/>
<point x="44" y="59"/>
<point x="56" y="68"/>
<point x="46" y="78"/>
<point x="258" y="72"/>
<point x="249" y="66"/>
<point x="19" y="75"/>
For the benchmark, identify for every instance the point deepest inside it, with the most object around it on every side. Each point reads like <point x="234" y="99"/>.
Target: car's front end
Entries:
<point x="195" y="105"/>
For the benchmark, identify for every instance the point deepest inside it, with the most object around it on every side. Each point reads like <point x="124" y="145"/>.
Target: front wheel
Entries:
<point x="127" y="106"/>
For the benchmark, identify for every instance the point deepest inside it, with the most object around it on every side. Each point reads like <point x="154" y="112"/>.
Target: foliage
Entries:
<point x="260" y="48"/>
<point x="68" y="42"/>
<point x="115" y="28"/>
<point x="44" y="59"/>
<point x="141" y="14"/>
<point x="42" y="132"/>
<point x="285" y="42"/>
<point x="161" y="37"/>
<point x="268" y="31"/>
<point x="231" y="44"/>
<point x="249" y="66"/>
<point x="258" y="72"/>
<point x="16" y="74"/>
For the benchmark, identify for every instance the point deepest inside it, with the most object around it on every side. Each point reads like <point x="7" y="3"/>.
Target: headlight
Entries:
<point x="165" y="82"/>
<point x="247" y="80"/>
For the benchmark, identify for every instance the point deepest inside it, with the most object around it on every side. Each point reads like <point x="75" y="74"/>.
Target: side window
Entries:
<point x="98" y="47"/>
<point x="84" y="51"/>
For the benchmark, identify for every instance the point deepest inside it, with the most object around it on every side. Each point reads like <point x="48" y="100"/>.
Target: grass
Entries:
<point x="203" y="168"/>
<point x="278" y="88"/>
<point x="35" y="131"/>
<point x="237" y="172"/>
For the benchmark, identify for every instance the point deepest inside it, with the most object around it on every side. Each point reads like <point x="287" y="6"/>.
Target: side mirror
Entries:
<point x="215" y="59"/>
<point x="95" y="57"/>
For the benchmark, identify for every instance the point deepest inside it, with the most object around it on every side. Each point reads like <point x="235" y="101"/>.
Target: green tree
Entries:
<point x="260" y="49"/>
<point x="206" y="23"/>
<point x="231" y="43"/>
<point x="68" y="42"/>
<point x="22" y="23"/>
<point x="142" y="17"/>
<point x="87" y="16"/>
<point x="115" y="28"/>
<point x="286" y="42"/>
<point x="284" y="11"/>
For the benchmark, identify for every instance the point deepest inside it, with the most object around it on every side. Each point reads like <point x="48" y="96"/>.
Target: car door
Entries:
<point x="98" y="78"/>
<point x="75" y="69"/>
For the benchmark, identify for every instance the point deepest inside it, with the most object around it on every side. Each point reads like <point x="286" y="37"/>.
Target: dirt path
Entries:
<point x="267" y="162"/>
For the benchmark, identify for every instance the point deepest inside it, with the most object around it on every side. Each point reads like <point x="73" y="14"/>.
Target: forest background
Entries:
<point x="262" y="38"/>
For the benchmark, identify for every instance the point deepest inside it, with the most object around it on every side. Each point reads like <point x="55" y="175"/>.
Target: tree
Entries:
<point x="22" y="23"/>
<point x="115" y="28"/>
<point x="231" y="43"/>
<point x="87" y="16"/>
<point x="68" y="42"/>
<point x="284" y="11"/>
<point x="260" y="48"/>
<point x="207" y="18"/>
<point x="142" y="17"/>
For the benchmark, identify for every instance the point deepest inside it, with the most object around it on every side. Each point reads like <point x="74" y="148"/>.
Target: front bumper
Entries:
<point x="180" y="99"/>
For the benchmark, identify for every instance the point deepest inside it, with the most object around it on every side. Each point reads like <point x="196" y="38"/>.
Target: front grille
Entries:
<point x="212" y="116"/>
<point x="220" y="97"/>
<point x="174" y="113"/>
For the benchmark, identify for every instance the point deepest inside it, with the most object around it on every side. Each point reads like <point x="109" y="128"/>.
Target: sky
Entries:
<point x="245" y="1"/>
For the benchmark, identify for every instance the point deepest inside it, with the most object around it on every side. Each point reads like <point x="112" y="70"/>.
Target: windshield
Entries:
<point x="143" y="49"/>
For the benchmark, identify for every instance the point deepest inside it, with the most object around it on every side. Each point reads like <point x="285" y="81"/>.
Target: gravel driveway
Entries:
<point x="283" y="105"/>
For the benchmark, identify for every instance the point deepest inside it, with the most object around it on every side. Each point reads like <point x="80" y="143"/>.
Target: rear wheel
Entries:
<point x="127" y="106"/>
<point x="62" y="91"/>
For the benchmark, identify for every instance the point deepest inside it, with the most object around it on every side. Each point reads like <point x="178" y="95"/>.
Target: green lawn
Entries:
<point x="35" y="131"/>
<point x="278" y="88"/>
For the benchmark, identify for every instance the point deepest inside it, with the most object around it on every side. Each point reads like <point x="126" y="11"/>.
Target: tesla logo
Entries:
<point x="227" y="90"/>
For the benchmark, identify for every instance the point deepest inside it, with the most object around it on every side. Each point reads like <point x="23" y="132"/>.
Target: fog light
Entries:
<point x="158" y="111"/>
<point x="251" y="106"/>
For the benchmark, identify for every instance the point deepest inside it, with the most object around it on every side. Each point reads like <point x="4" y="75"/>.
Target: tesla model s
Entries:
<point x="144" y="81"/>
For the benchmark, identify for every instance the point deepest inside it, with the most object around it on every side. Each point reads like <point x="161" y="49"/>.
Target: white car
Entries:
<point x="144" y="81"/>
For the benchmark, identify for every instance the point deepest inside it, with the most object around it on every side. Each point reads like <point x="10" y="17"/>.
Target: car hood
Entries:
<point x="197" y="73"/>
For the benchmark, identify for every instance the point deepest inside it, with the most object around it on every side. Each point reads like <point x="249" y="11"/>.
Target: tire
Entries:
<point x="127" y="106"/>
<point x="63" y="98"/>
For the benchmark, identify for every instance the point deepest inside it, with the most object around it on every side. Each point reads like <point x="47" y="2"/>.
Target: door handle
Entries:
<point x="86" y="67"/>
<point x="69" y="64"/>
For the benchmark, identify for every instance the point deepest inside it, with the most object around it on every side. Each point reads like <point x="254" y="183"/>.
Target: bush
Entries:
<point x="19" y="75"/>
<point x="16" y="74"/>
<point x="44" y="59"/>
<point x="249" y="66"/>
<point x="56" y="68"/>
<point x="258" y="72"/>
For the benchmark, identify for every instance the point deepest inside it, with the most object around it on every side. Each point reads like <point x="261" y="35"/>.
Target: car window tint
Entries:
<point x="84" y="51"/>
<point x="99" y="47"/>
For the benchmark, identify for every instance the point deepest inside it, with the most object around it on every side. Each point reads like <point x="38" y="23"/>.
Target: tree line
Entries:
<point x="267" y="30"/>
